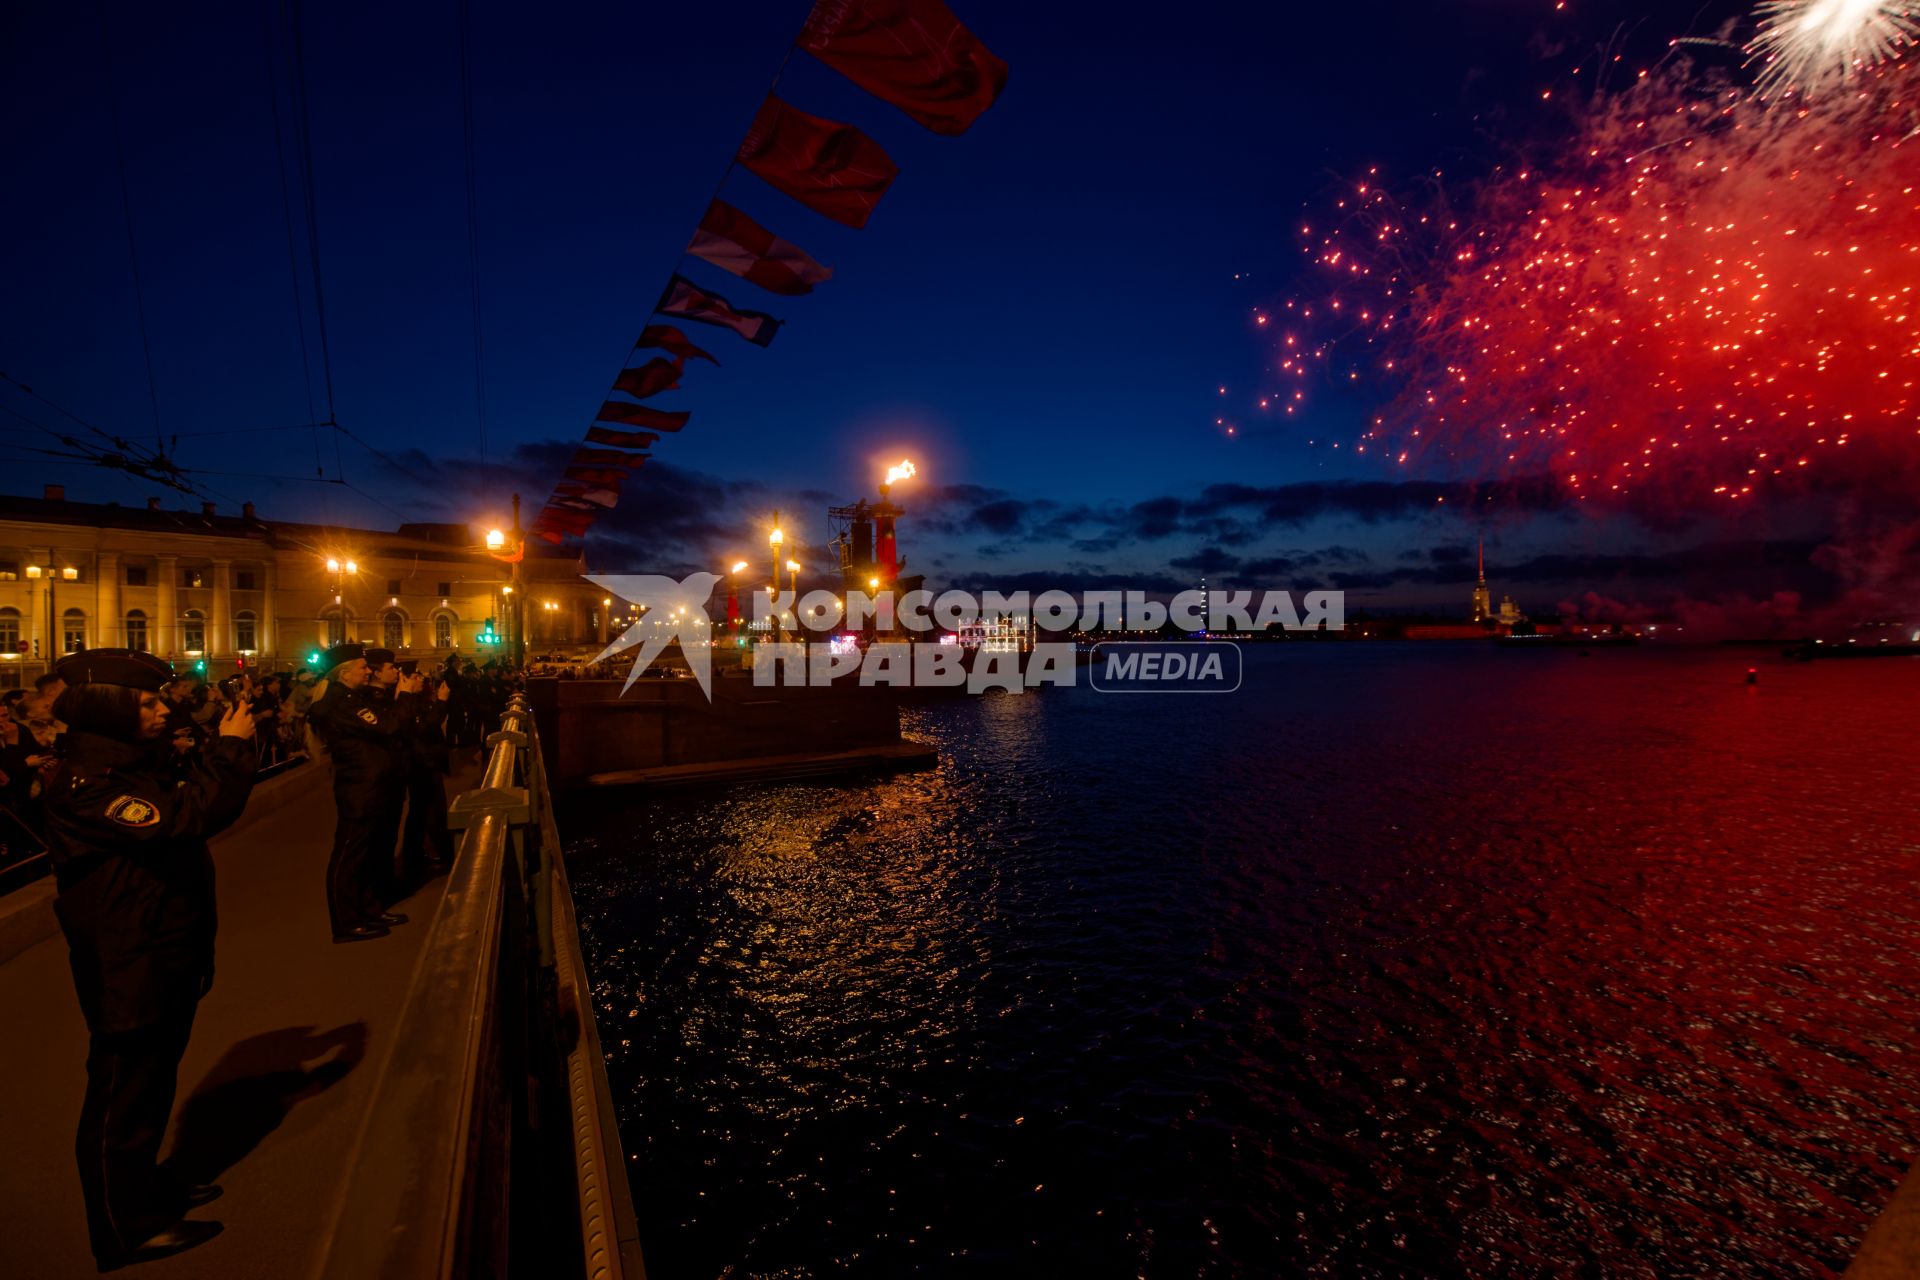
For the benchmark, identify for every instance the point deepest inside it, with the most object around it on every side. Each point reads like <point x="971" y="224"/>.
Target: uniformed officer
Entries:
<point x="364" y="737"/>
<point x="128" y="843"/>
<point x="426" y="845"/>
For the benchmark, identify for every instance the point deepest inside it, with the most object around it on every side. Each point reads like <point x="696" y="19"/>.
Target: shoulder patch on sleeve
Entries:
<point x="132" y="811"/>
<point x="367" y="714"/>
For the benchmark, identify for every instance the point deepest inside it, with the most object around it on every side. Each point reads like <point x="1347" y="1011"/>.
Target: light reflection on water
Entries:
<point x="1404" y="960"/>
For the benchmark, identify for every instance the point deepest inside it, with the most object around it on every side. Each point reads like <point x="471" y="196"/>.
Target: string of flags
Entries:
<point x="913" y="54"/>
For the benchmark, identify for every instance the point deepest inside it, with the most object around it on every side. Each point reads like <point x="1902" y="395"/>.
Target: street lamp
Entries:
<point x="774" y="540"/>
<point x="511" y="546"/>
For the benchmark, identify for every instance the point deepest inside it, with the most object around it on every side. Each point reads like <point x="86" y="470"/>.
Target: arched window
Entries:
<point x="137" y="630"/>
<point x="9" y="630"/>
<point x="333" y="624"/>
<point x="245" y="633"/>
<point x="393" y="630"/>
<point x="193" y="631"/>
<point x="73" y="631"/>
<point x="443" y="631"/>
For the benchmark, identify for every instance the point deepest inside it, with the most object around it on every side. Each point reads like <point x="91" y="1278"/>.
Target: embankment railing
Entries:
<point x="490" y="1148"/>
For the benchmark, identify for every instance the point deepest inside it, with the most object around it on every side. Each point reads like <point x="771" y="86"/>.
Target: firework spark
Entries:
<point x="1811" y="45"/>
<point x="1703" y="297"/>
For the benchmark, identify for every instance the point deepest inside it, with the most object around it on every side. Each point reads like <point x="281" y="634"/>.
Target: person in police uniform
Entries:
<point x="365" y="737"/>
<point x="426" y="845"/>
<point x="128" y="844"/>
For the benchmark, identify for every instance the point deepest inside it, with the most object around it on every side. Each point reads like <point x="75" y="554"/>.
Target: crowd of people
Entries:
<point x="125" y="769"/>
<point x="31" y="734"/>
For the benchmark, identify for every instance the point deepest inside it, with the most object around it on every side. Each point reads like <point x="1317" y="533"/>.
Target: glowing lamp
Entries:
<point x="495" y="540"/>
<point x="333" y="566"/>
<point x="739" y="565"/>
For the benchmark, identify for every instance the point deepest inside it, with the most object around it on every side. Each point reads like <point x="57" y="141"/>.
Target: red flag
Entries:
<point x="553" y="524"/>
<point x="651" y="378"/>
<point x="732" y="241"/>
<point x="605" y="458"/>
<point x="685" y="298"/>
<point x="912" y="53"/>
<point x="831" y="168"/>
<point x="620" y="439"/>
<point x="668" y="338"/>
<point x="636" y="415"/>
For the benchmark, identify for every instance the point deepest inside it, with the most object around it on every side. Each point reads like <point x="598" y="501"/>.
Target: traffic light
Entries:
<point x="487" y="634"/>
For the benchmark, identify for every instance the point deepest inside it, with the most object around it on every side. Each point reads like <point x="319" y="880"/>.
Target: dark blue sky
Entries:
<point x="1039" y="312"/>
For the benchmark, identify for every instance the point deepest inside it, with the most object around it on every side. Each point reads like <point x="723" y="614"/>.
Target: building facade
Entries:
<point x="223" y="592"/>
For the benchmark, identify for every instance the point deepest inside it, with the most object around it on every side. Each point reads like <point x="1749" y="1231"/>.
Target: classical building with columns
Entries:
<point x="232" y="590"/>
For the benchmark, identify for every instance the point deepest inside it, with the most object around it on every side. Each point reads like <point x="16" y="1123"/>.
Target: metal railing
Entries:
<point x="490" y="1147"/>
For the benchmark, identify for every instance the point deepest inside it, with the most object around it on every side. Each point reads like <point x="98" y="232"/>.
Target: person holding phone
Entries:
<point x="365" y="739"/>
<point x="128" y="842"/>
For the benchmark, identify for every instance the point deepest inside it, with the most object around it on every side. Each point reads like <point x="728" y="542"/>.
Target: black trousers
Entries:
<point x="131" y="1076"/>
<point x="427" y="837"/>
<point x="383" y="879"/>
<point x="351" y="899"/>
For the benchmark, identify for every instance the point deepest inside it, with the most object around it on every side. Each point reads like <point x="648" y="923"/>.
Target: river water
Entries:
<point x="1403" y="960"/>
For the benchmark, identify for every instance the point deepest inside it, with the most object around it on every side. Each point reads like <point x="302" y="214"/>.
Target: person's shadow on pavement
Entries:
<point x="252" y="1088"/>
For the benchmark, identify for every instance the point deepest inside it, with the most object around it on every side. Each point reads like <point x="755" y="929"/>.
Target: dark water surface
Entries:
<point x="1403" y="961"/>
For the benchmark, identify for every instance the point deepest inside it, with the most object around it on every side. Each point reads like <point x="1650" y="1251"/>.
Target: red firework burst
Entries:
<point x="1705" y="294"/>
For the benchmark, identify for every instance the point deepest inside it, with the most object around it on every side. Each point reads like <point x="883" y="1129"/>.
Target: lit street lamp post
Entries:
<point x="774" y="540"/>
<point x="512" y="547"/>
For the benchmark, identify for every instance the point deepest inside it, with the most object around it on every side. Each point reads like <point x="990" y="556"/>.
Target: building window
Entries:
<point x="136" y="631"/>
<point x="443" y="631"/>
<point x="393" y="630"/>
<point x="446" y="589"/>
<point x="73" y="631"/>
<point x="9" y="630"/>
<point x="193" y="577"/>
<point x="393" y="586"/>
<point x="9" y="571"/>
<point x="245" y="634"/>
<point x="335" y="621"/>
<point x="193" y="631"/>
<point x="243" y="580"/>
<point x="136" y="575"/>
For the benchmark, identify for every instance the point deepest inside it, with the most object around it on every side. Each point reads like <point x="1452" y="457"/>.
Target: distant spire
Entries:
<point x="1483" y="562"/>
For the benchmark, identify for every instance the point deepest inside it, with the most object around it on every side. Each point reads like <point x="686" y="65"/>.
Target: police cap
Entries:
<point x="377" y="658"/>
<point x="407" y="665"/>
<point x="127" y="667"/>
<point x="341" y="654"/>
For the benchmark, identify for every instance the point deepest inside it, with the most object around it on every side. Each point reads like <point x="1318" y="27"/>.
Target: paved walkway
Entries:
<point x="285" y="1054"/>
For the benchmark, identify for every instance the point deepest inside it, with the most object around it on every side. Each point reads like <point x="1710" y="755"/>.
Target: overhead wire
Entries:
<point x="473" y="223"/>
<point x="126" y="205"/>
<point x="286" y="212"/>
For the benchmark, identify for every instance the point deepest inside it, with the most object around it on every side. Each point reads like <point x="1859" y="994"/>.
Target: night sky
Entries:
<point x="1040" y="313"/>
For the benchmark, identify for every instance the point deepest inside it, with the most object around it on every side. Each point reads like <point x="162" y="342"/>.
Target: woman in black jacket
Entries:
<point x="128" y="843"/>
